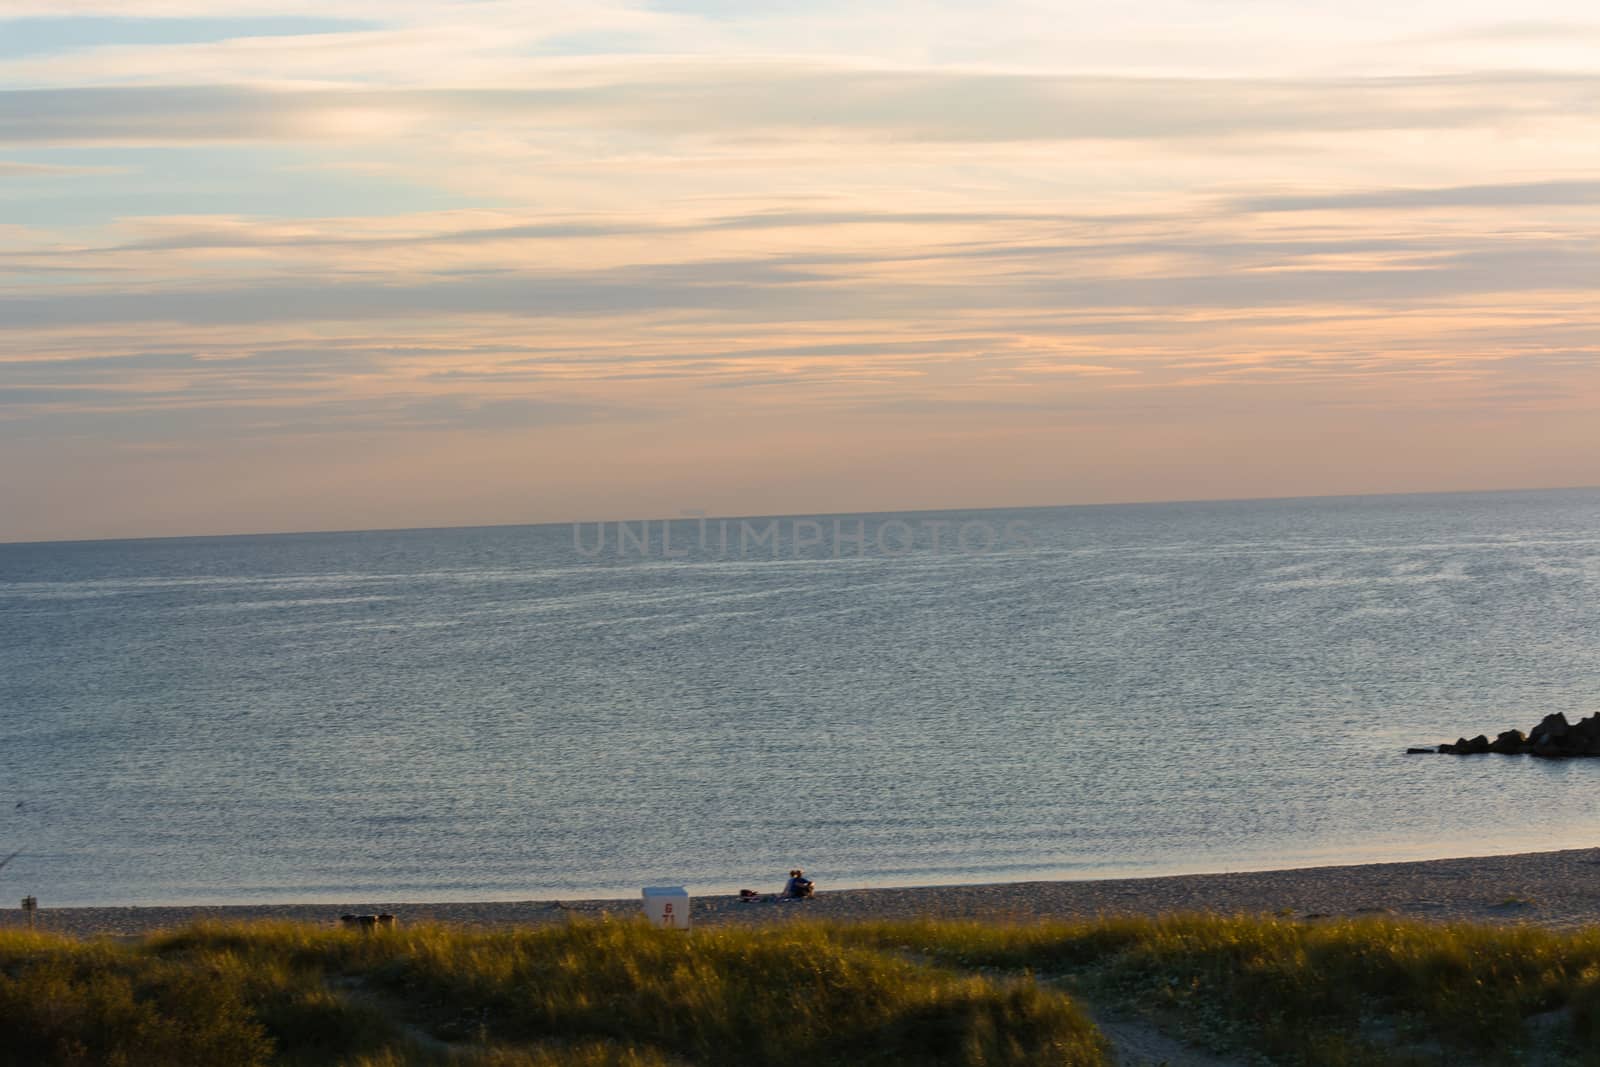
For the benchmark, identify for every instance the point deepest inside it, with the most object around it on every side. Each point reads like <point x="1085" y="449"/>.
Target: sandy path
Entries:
<point x="1138" y="1044"/>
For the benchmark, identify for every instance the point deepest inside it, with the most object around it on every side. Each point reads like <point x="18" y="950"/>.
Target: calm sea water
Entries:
<point x="494" y="714"/>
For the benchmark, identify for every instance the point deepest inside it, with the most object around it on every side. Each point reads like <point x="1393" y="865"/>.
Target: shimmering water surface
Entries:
<point x="493" y="714"/>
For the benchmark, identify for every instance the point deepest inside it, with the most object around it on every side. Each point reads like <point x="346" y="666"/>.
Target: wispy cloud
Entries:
<point x="1511" y="194"/>
<point x="1560" y="30"/>
<point x="748" y="101"/>
<point x="36" y="170"/>
<point x="420" y="248"/>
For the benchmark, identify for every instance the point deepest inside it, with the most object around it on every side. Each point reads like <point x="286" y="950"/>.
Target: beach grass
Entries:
<point x="1350" y="991"/>
<point x="586" y="994"/>
<point x="1257" y="989"/>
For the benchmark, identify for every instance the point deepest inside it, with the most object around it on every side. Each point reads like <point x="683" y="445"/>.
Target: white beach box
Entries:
<point x="667" y="905"/>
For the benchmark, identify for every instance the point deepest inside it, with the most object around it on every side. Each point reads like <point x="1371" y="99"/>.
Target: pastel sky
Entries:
<point x="348" y="264"/>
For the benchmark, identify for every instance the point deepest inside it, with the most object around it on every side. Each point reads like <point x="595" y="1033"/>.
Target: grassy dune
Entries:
<point x="600" y="993"/>
<point x="864" y="993"/>
<point x="1372" y="991"/>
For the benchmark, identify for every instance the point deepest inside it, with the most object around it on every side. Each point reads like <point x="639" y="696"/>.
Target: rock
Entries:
<point x="1420" y="751"/>
<point x="1510" y="743"/>
<point x="1584" y="738"/>
<point x="1553" y="738"/>
<point x="1551" y="730"/>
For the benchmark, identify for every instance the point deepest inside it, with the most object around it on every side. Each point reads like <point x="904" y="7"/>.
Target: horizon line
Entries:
<point x="802" y="514"/>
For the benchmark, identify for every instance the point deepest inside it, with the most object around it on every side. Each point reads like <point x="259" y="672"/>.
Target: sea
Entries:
<point x="899" y="699"/>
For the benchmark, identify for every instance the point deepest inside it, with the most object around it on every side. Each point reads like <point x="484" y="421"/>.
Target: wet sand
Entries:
<point x="1554" y="889"/>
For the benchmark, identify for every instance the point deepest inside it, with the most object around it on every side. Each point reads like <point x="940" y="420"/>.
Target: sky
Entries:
<point x="348" y="264"/>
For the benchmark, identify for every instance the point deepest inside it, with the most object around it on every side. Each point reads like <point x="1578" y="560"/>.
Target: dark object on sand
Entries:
<point x="1553" y="738"/>
<point x="368" y="923"/>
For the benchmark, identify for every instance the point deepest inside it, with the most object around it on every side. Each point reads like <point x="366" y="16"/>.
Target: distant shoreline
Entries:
<point x="1551" y="889"/>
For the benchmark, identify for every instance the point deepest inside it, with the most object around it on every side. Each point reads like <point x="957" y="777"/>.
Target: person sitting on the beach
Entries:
<point x="799" y="886"/>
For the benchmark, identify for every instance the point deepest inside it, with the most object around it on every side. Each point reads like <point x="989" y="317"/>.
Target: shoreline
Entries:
<point x="1552" y="889"/>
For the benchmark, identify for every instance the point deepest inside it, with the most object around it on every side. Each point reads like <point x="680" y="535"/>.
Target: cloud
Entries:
<point x="628" y="254"/>
<point x="126" y="416"/>
<point x="222" y="232"/>
<point x="39" y="170"/>
<point x="55" y="34"/>
<point x="1555" y="30"/>
<point x="772" y="101"/>
<point x="1513" y="194"/>
<point x="362" y="10"/>
<point x="148" y="115"/>
<point x="770" y="287"/>
<point x="702" y="286"/>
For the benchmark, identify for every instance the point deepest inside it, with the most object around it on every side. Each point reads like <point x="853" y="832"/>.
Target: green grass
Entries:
<point x="1346" y="992"/>
<point x="589" y="994"/>
<point x="1265" y="990"/>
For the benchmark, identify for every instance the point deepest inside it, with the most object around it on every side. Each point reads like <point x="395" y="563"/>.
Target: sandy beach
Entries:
<point x="1554" y="889"/>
